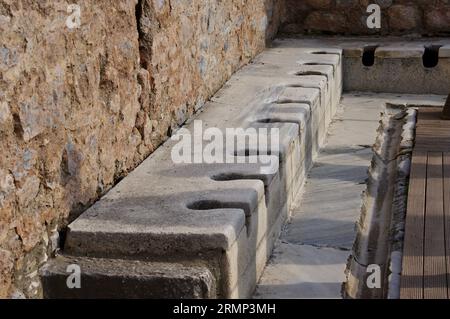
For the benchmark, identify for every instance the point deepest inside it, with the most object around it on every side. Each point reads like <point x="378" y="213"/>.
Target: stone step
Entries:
<point x="115" y="278"/>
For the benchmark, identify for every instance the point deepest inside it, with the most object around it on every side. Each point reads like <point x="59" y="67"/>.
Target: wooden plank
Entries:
<point x="429" y="135"/>
<point x="432" y="133"/>
<point x="435" y="272"/>
<point x="432" y="141"/>
<point x="411" y="286"/>
<point x="430" y="113"/>
<point x="435" y="149"/>
<point x="435" y="131"/>
<point x="429" y="132"/>
<point x="447" y="215"/>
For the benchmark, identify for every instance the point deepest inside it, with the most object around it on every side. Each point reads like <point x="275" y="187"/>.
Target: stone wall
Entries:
<point x="81" y="107"/>
<point x="398" y="17"/>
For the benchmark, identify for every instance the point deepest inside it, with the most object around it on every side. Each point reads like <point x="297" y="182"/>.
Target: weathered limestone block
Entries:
<point x="444" y="51"/>
<point x="104" y="278"/>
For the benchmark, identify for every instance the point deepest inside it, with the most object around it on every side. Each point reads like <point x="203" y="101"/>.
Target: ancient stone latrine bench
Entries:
<point x="207" y="230"/>
<point x="426" y="252"/>
<point x="416" y="67"/>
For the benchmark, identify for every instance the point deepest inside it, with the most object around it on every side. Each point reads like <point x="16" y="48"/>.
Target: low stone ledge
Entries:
<point x="114" y="278"/>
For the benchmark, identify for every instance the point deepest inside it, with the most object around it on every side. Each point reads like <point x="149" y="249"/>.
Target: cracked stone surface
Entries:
<point x="310" y="258"/>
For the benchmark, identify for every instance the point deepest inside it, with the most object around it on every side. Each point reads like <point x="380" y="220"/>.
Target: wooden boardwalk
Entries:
<point x="426" y="253"/>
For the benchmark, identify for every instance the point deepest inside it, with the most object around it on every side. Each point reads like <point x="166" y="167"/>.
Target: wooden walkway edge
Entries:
<point x="426" y="252"/>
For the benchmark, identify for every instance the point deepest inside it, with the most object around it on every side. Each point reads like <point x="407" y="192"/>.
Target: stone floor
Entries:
<point x="311" y="256"/>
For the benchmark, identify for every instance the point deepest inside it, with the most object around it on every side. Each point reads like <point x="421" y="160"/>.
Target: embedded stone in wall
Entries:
<point x="346" y="3"/>
<point x="438" y="19"/>
<point x="403" y="18"/>
<point x="5" y="115"/>
<point x="6" y="266"/>
<point x="320" y="4"/>
<point x="326" y="21"/>
<point x="6" y="186"/>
